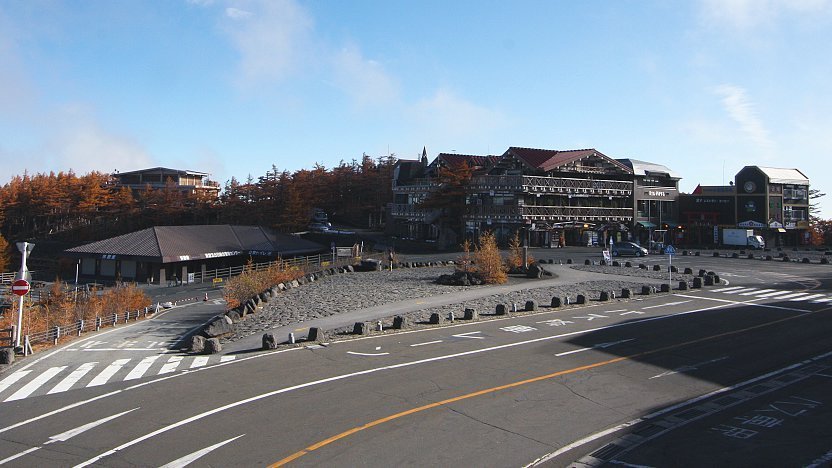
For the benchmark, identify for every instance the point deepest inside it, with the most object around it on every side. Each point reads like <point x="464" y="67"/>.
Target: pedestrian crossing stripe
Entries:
<point x="793" y="296"/>
<point x="75" y="377"/>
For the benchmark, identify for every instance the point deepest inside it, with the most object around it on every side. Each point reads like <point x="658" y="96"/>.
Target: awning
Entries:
<point x="646" y="224"/>
<point x="781" y="230"/>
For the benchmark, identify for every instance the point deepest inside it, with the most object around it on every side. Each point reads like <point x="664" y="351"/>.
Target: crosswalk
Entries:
<point x="26" y="383"/>
<point x="777" y="294"/>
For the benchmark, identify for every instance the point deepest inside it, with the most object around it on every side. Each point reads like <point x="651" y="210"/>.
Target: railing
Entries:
<point x="304" y="263"/>
<point x="537" y="184"/>
<point x="416" y="185"/>
<point x="402" y="210"/>
<point x="7" y="338"/>
<point x="76" y="328"/>
<point x="550" y="213"/>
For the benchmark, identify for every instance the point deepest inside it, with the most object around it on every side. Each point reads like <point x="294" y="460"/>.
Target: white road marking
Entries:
<point x="518" y="329"/>
<point x="732" y="288"/>
<point x="188" y="459"/>
<point x="92" y="343"/>
<point x="742" y="290"/>
<point x="35" y="384"/>
<point x="687" y="368"/>
<point x="72" y="378"/>
<point x="64" y="436"/>
<point x="774" y="294"/>
<point x="425" y="343"/>
<point x="367" y="354"/>
<point x="125" y="349"/>
<point x="199" y="361"/>
<point x="821" y="301"/>
<point x="791" y="296"/>
<point x="598" y="346"/>
<point x="8" y="381"/>
<point x="468" y="335"/>
<point x="141" y="367"/>
<point x="807" y="298"/>
<point x="108" y="372"/>
<point x="171" y="365"/>
<point x="760" y="291"/>
<point x="230" y="358"/>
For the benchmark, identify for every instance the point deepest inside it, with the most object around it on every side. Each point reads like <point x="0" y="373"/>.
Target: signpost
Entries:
<point x="21" y="287"/>
<point x="670" y="251"/>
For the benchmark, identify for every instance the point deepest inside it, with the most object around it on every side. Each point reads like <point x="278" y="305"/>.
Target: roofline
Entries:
<point x="165" y="169"/>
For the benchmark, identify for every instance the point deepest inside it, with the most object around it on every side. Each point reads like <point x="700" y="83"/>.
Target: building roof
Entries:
<point x="472" y="160"/>
<point x="778" y="175"/>
<point x="547" y="160"/>
<point x="643" y="168"/>
<point x="180" y="243"/>
<point x="165" y="170"/>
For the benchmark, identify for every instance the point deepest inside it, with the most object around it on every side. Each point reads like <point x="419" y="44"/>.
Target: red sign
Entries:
<point x="20" y="287"/>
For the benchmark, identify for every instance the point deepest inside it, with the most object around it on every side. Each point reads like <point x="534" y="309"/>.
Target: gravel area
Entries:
<point x="346" y="292"/>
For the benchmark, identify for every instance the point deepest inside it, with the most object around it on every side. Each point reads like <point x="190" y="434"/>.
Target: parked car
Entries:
<point x="320" y="227"/>
<point x="628" y="248"/>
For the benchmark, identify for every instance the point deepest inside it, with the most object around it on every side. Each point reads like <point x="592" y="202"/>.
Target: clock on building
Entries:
<point x="749" y="186"/>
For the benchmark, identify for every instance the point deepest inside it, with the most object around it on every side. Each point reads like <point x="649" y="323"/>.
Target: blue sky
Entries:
<point x="232" y="87"/>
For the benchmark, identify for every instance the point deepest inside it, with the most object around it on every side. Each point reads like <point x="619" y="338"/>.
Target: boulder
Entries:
<point x="688" y="271"/>
<point x="605" y="296"/>
<point x="531" y="306"/>
<point x="580" y="299"/>
<point x="665" y="287"/>
<point x="314" y="334"/>
<point x="269" y="342"/>
<point x="399" y="322"/>
<point x="697" y="282"/>
<point x="626" y="293"/>
<point x="435" y="318"/>
<point x="360" y="328"/>
<point x="6" y="356"/>
<point x="587" y="262"/>
<point x="197" y="344"/>
<point x="709" y="280"/>
<point x="233" y="315"/>
<point x="646" y="290"/>
<point x="219" y="326"/>
<point x="500" y="309"/>
<point x="535" y="271"/>
<point x="470" y="314"/>
<point x="657" y="268"/>
<point x="683" y="285"/>
<point x="555" y="302"/>
<point x="212" y="346"/>
<point x="370" y="264"/>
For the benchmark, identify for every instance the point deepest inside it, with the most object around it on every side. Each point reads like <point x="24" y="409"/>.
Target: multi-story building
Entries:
<point x="772" y="201"/>
<point x="553" y="197"/>
<point x="655" y="198"/>
<point x="189" y="182"/>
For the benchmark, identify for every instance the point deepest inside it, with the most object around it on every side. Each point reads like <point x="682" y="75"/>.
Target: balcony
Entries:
<point x="549" y="213"/>
<point x="554" y="185"/>
<point x="416" y="186"/>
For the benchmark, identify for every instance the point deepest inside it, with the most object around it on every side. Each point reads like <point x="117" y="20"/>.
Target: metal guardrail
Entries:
<point x="54" y="333"/>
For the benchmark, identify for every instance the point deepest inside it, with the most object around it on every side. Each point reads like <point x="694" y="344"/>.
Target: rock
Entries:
<point x="212" y="346"/>
<point x="295" y="283"/>
<point x="269" y="342"/>
<point x="6" y="356"/>
<point x="605" y="296"/>
<point x="470" y="314"/>
<point x="628" y="264"/>
<point x="642" y="266"/>
<point x="587" y="262"/>
<point x="555" y="302"/>
<point x="626" y="293"/>
<point x="735" y="255"/>
<point x="370" y="264"/>
<point x="400" y="322"/>
<point x="314" y="334"/>
<point x="580" y="299"/>
<point x="697" y="282"/>
<point x="535" y="271"/>
<point x="615" y="263"/>
<point x="716" y="254"/>
<point x="233" y="315"/>
<point x="673" y="269"/>
<point x="805" y="260"/>
<point x="500" y="309"/>
<point x="665" y="288"/>
<point x="702" y="273"/>
<point x="688" y="271"/>
<point x="219" y="326"/>
<point x="568" y="261"/>
<point x="683" y="285"/>
<point x="531" y="306"/>
<point x="646" y="290"/>
<point x="435" y="319"/>
<point x="709" y="280"/>
<point x="657" y="268"/>
<point x="360" y="328"/>
<point x="197" y="344"/>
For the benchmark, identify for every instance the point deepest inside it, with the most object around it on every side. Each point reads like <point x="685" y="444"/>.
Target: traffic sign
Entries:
<point x="670" y="250"/>
<point x="20" y="287"/>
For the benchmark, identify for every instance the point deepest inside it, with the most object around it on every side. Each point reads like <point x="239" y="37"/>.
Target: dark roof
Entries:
<point x="180" y="243"/>
<point x="472" y="160"/>
<point x="547" y="160"/>
<point x="165" y="170"/>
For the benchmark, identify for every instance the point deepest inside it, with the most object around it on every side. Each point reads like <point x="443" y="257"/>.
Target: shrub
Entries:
<point x="515" y="253"/>
<point x="251" y="282"/>
<point x="489" y="262"/>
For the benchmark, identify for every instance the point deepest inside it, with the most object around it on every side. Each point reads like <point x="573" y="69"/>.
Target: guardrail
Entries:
<point x="56" y="332"/>
<point x="311" y="261"/>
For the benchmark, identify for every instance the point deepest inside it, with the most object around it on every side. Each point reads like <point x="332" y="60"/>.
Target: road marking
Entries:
<point x="661" y="305"/>
<point x="36" y="383"/>
<point x="171" y="365"/>
<point x="367" y="354"/>
<point x="598" y="346"/>
<point x="518" y="329"/>
<point x="425" y="343"/>
<point x="759" y="291"/>
<point x="64" y="436"/>
<point x="807" y="298"/>
<point x="742" y="290"/>
<point x="336" y="378"/>
<point x="686" y="368"/>
<point x="141" y="367"/>
<point x="108" y="372"/>
<point x="821" y="301"/>
<point x="8" y="381"/>
<point x="188" y="459"/>
<point x="773" y="294"/>
<point x="72" y="378"/>
<point x="732" y="288"/>
<point x="125" y="349"/>
<point x="790" y="296"/>
<point x="199" y="361"/>
<point x="227" y="358"/>
<point x="468" y="335"/>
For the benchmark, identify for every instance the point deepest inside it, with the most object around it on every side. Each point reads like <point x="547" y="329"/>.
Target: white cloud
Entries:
<point x="741" y="109"/>
<point x="748" y="14"/>
<point x="450" y="116"/>
<point x="272" y="37"/>
<point x="366" y="81"/>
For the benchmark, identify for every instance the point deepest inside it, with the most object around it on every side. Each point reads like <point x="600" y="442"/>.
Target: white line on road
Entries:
<point x="468" y="335"/>
<point x="665" y="305"/>
<point x="30" y="387"/>
<point x="774" y="294"/>
<point x="227" y="358"/>
<point x="108" y="372"/>
<point x="759" y="291"/>
<point x="8" y="381"/>
<point x="199" y="361"/>
<point x="598" y="346"/>
<point x="72" y="378"/>
<point x="367" y="354"/>
<point x="425" y="343"/>
<point x="64" y="436"/>
<point x="807" y="298"/>
<point x="188" y="459"/>
<point x="171" y="365"/>
<point x="792" y="296"/>
<point x="125" y="349"/>
<point x="141" y="367"/>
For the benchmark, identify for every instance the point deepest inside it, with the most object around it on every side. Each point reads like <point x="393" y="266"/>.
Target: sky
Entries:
<point x="236" y="87"/>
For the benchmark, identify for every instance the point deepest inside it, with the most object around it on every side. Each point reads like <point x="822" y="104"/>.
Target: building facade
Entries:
<point x="157" y="178"/>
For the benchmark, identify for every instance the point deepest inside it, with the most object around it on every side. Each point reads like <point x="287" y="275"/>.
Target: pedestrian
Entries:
<point x="390" y="258"/>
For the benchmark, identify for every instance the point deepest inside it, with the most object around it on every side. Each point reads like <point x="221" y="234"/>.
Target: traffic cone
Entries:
<point x="205" y="299"/>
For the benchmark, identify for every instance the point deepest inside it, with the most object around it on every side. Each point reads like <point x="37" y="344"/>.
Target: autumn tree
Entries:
<point x="488" y="261"/>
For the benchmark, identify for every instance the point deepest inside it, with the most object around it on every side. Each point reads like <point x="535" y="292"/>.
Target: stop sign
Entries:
<point x="20" y="287"/>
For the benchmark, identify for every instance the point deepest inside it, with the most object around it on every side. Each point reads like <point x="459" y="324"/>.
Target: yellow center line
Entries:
<point x="486" y="391"/>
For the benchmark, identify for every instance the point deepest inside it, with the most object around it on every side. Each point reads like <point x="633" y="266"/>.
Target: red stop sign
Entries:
<point x="20" y="287"/>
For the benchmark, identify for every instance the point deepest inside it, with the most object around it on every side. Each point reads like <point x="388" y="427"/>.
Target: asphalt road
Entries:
<point x="737" y="374"/>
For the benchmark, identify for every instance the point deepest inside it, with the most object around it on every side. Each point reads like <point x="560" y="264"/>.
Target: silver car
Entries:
<point x="628" y="248"/>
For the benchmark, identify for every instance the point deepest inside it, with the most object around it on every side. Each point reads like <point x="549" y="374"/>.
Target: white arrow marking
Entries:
<point x="468" y="335"/>
<point x="64" y="436"/>
<point x="598" y="346"/>
<point x="687" y="368"/>
<point x="188" y="459"/>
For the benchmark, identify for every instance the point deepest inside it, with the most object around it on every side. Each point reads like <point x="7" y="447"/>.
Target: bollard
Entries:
<point x="566" y="300"/>
<point x="80" y="327"/>
<point x="97" y="323"/>
<point x="379" y="326"/>
<point x="115" y="319"/>
<point x="57" y="334"/>
<point x="514" y="307"/>
<point x="555" y="302"/>
<point x="451" y="317"/>
<point x="291" y="338"/>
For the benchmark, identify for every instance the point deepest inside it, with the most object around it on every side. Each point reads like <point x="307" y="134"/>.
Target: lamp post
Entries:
<point x="25" y="248"/>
